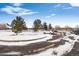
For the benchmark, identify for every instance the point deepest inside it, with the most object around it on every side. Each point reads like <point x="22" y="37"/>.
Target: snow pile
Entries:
<point x="63" y="49"/>
<point x="67" y="47"/>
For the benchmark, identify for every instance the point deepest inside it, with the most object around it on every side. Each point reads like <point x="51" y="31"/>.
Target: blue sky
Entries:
<point x="55" y="13"/>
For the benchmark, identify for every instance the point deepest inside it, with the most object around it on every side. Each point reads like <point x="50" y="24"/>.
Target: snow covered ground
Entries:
<point x="58" y="51"/>
<point x="23" y="37"/>
<point x="11" y="53"/>
<point x="61" y="49"/>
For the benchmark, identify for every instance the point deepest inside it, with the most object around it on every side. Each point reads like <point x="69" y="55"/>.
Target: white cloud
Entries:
<point x="67" y="8"/>
<point x="51" y="15"/>
<point x="74" y="4"/>
<point x="58" y="5"/>
<point x="61" y="6"/>
<point x="17" y="4"/>
<point x="17" y="11"/>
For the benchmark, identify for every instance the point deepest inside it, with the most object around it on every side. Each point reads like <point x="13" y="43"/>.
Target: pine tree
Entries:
<point x="45" y="26"/>
<point x="37" y="24"/>
<point x="50" y="26"/>
<point x="18" y="25"/>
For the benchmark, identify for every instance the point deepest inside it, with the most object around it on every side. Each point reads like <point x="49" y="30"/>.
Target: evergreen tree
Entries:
<point x="45" y="26"/>
<point x="37" y="24"/>
<point x="50" y="26"/>
<point x="18" y="25"/>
